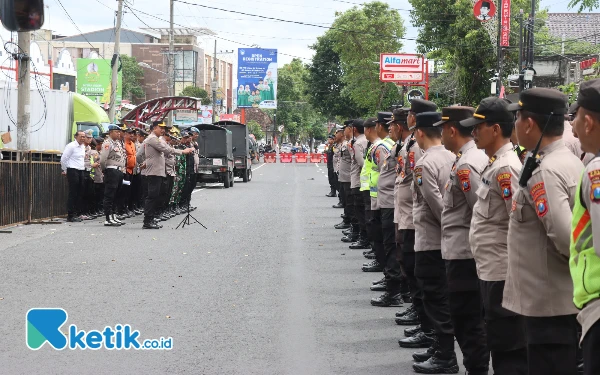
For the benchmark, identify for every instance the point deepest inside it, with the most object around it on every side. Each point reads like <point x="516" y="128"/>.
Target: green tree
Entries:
<point x="359" y="36"/>
<point x="196" y="92"/>
<point x="132" y="75"/>
<point x="255" y="128"/>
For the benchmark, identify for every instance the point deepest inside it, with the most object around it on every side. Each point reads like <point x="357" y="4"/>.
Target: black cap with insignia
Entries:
<point x="589" y="96"/>
<point x="455" y="114"/>
<point x="420" y="106"/>
<point x="400" y="115"/>
<point x="384" y="117"/>
<point x="542" y="101"/>
<point x="370" y="122"/>
<point x="358" y="123"/>
<point x="492" y="110"/>
<point x="348" y="122"/>
<point x="428" y="119"/>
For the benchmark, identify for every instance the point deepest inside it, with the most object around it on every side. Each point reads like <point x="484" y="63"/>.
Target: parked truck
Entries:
<point x="216" y="155"/>
<point x="55" y="117"/>
<point x="242" y="164"/>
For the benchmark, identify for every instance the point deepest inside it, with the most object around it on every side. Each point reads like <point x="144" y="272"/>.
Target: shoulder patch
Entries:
<point x="537" y="191"/>
<point x="505" y="185"/>
<point x="541" y="207"/>
<point x="465" y="180"/>
<point x="106" y="146"/>
<point x="595" y="188"/>
<point x="419" y="176"/>
<point x="411" y="160"/>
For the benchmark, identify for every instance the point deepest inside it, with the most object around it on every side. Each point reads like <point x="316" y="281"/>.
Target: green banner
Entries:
<point x="93" y="80"/>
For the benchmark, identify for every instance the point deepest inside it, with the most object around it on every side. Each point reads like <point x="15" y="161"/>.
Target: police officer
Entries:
<point x="332" y="178"/>
<point x="505" y="330"/>
<point x="89" y="162"/>
<point x="155" y="150"/>
<point x="584" y="259"/>
<point x="384" y="158"/>
<point x="337" y="145"/>
<point x="460" y="197"/>
<point x="345" y="180"/>
<point x="98" y="177"/>
<point x="357" y="152"/>
<point x="430" y="175"/>
<point x="409" y="154"/>
<point x="374" y="215"/>
<point x="538" y="284"/>
<point x="112" y="162"/>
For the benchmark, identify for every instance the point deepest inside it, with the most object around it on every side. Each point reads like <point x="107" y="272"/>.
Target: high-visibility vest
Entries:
<point x="365" y="171"/>
<point x="584" y="264"/>
<point x="387" y="143"/>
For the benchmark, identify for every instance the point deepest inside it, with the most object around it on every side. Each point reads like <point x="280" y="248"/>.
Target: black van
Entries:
<point x="242" y="165"/>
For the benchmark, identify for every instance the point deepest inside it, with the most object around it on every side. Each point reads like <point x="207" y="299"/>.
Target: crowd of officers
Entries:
<point x="491" y="249"/>
<point x="131" y="172"/>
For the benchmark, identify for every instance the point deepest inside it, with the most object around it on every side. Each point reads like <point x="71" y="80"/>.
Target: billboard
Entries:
<point x="93" y="80"/>
<point x="257" y="78"/>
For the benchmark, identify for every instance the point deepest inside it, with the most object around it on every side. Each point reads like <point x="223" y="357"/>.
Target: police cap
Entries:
<point x="384" y="117"/>
<point x="89" y="133"/>
<point x="142" y="132"/>
<point x="358" y="123"/>
<point x="427" y="119"/>
<point x="194" y="130"/>
<point x="370" y="122"/>
<point x="541" y="101"/>
<point x="112" y="127"/>
<point x="589" y="96"/>
<point x="400" y="115"/>
<point x="492" y="110"/>
<point x="421" y="105"/>
<point x="455" y="114"/>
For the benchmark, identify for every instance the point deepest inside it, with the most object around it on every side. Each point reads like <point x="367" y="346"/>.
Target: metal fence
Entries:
<point x="31" y="187"/>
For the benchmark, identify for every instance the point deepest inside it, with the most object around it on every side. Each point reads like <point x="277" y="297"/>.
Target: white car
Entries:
<point x="321" y="149"/>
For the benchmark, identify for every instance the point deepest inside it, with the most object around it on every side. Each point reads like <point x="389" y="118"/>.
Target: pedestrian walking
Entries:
<point x="73" y="166"/>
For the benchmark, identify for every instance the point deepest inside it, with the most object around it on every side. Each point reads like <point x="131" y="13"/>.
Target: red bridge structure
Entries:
<point x="157" y="109"/>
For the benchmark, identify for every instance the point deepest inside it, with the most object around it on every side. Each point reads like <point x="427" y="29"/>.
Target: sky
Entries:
<point x="233" y="30"/>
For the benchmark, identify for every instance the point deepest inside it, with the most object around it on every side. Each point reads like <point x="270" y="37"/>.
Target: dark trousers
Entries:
<point x="124" y="194"/>
<point x="366" y="198"/>
<point x="466" y="313"/>
<point x="76" y="183"/>
<point x="430" y="271"/>
<point x="342" y="196"/>
<point x="170" y="181"/>
<point x="391" y="265"/>
<point x="348" y="202"/>
<point x="136" y="192"/>
<point x="88" y="199"/>
<point x="505" y="332"/>
<point x="144" y="181"/>
<point x="591" y="343"/>
<point x="98" y="196"/>
<point x="188" y="189"/>
<point x="331" y="177"/>
<point x="153" y="201"/>
<point x="113" y="178"/>
<point x="359" y="212"/>
<point x="408" y="252"/>
<point x="377" y="233"/>
<point x="552" y="345"/>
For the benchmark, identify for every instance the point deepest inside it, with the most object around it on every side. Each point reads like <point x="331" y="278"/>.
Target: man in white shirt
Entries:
<point x="72" y="162"/>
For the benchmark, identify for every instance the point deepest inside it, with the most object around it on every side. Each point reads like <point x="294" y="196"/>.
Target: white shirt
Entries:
<point x="73" y="156"/>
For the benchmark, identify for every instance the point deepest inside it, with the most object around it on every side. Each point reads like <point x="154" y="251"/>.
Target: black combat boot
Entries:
<point x="438" y="364"/>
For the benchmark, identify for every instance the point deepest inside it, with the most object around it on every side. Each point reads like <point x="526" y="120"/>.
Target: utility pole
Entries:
<point x="115" y="66"/>
<point x="23" y="91"/>
<point x="214" y="85"/>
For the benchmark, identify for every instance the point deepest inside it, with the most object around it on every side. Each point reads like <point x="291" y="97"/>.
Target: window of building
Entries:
<point x="185" y="70"/>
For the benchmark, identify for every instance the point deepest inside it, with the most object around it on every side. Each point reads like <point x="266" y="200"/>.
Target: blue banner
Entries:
<point x="257" y="78"/>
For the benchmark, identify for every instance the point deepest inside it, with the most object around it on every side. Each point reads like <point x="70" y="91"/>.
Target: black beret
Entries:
<point x="358" y="123"/>
<point x="420" y="106"/>
<point x="427" y="119"/>
<point x="370" y="122"/>
<point x="455" y="113"/>
<point x="493" y="110"/>
<point x="384" y="117"/>
<point x="542" y="101"/>
<point x="589" y="96"/>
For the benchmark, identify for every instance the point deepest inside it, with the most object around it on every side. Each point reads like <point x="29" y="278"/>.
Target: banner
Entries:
<point x="93" y="80"/>
<point x="257" y="78"/>
<point x="505" y="25"/>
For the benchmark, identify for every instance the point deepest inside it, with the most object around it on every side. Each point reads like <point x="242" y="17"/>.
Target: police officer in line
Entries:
<point x="112" y="163"/>
<point x="344" y="177"/>
<point x="357" y="152"/>
<point x="337" y="145"/>
<point x="410" y="154"/>
<point x="90" y="162"/>
<point x="154" y="150"/>
<point x="430" y="175"/>
<point x="538" y="284"/>
<point x="505" y="330"/>
<point x="374" y="215"/>
<point x="98" y="179"/>
<point x="461" y="272"/>
<point x="384" y="157"/>
<point x="331" y="176"/>
<point x="584" y="258"/>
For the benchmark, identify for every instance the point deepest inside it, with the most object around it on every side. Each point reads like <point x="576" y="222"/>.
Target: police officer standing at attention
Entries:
<point x="430" y="176"/>
<point x="330" y="173"/>
<point x="505" y="330"/>
<point x="346" y="182"/>
<point x="461" y="272"/>
<point x="384" y="157"/>
<point x="155" y="150"/>
<point x="585" y="259"/>
<point x="337" y="145"/>
<point x="112" y="162"/>
<point x="408" y="156"/>
<point x="358" y="150"/>
<point x="538" y="283"/>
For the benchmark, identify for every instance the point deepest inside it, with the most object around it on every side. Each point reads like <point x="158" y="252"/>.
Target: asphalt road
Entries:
<point x="268" y="288"/>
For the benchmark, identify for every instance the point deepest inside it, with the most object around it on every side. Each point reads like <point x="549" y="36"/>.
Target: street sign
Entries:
<point x="414" y="94"/>
<point x="403" y="77"/>
<point x="484" y="10"/>
<point x="401" y="62"/>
